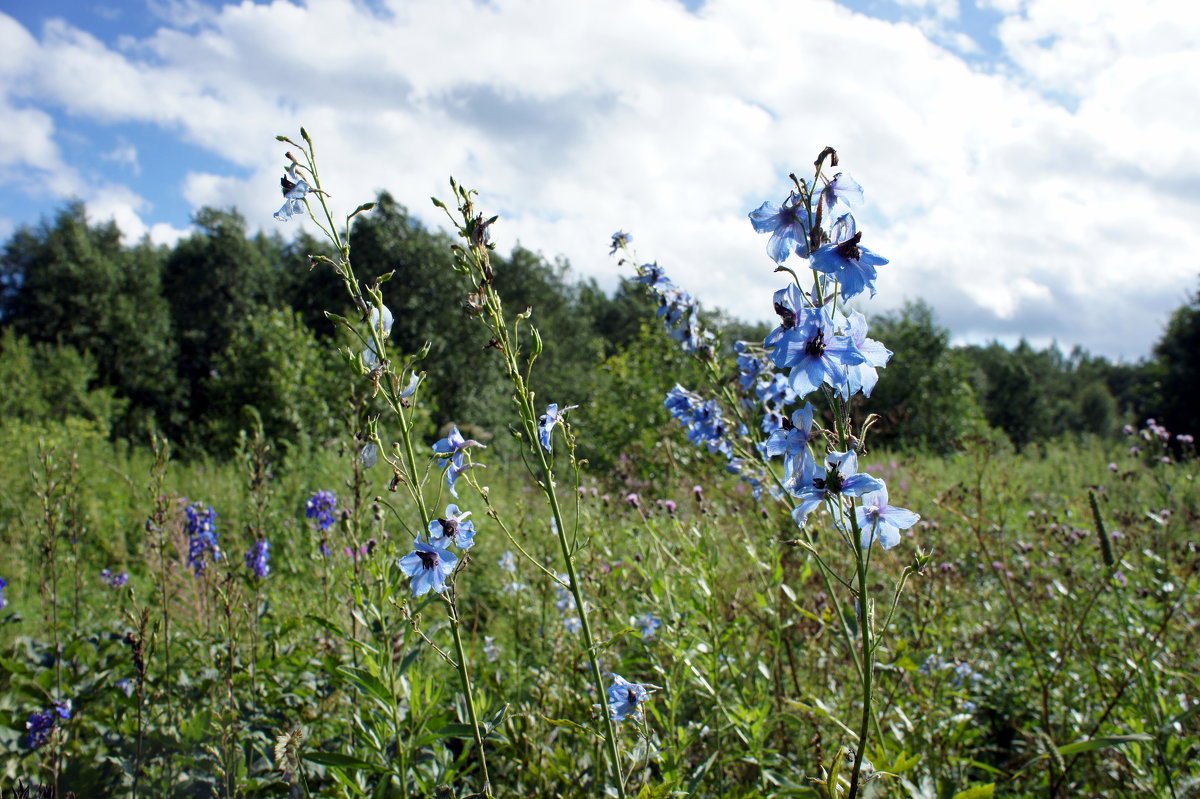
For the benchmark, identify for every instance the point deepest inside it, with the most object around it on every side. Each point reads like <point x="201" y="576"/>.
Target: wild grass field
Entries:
<point x="726" y="605"/>
<point x="1016" y="657"/>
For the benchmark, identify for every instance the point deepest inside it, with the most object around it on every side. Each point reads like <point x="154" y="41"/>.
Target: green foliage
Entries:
<point x="214" y="280"/>
<point x="76" y="284"/>
<point x="747" y="656"/>
<point x="626" y="419"/>
<point x="925" y="397"/>
<point x="275" y="371"/>
<point x="1177" y="369"/>
<point x="52" y="383"/>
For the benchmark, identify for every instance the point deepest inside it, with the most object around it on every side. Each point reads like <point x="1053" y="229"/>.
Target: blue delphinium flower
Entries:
<point x="788" y="225"/>
<point x="508" y="561"/>
<point x="841" y="192"/>
<point x="791" y="441"/>
<point x="321" y="507"/>
<point x="450" y="449"/>
<point x="649" y="623"/>
<point x="840" y="478"/>
<point x="453" y="527"/>
<point x="814" y="353"/>
<point x="863" y="377"/>
<point x="852" y="264"/>
<point x="3" y="585"/>
<point x="429" y="566"/>
<point x="620" y="240"/>
<point x="202" y="537"/>
<point x="369" y="455"/>
<point x="490" y="650"/>
<point x="566" y="600"/>
<point x="113" y="580"/>
<point x="41" y="723"/>
<point x="880" y="521"/>
<point x="127" y="686"/>
<point x="678" y="309"/>
<point x="625" y="698"/>
<point x="381" y="321"/>
<point x="548" y="420"/>
<point x="257" y="557"/>
<point x="295" y="188"/>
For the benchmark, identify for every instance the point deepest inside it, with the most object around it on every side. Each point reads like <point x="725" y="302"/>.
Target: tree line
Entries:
<point x="226" y="329"/>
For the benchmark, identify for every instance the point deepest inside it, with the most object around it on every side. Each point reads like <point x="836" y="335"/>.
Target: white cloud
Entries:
<point x="126" y="154"/>
<point x="1009" y="211"/>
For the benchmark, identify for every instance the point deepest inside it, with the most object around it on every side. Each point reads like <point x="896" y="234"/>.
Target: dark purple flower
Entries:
<point x="257" y="557"/>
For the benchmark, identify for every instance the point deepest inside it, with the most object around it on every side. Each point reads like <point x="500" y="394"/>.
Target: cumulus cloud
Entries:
<point x="1052" y="198"/>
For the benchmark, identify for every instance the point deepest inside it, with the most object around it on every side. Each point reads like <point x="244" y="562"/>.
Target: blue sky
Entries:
<point x="1030" y="166"/>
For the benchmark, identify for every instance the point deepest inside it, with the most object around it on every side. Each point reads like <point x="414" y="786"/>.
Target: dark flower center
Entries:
<point x="849" y="248"/>
<point x="834" y="481"/>
<point x="429" y="560"/>
<point x="816" y="345"/>
<point x="449" y="527"/>
<point x="787" y="318"/>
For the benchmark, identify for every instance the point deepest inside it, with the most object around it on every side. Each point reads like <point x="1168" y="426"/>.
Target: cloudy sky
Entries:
<point x="1031" y="167"/>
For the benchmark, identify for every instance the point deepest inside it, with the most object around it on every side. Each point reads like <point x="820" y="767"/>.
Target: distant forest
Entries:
<point x="224" y="330"/>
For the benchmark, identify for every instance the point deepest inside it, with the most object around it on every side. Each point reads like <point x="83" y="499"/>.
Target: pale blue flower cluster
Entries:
<point x="678" y="309"/>
<point x="821" y="345"/>
<point x="114" y="580"/>
<point x="431" y="563"/>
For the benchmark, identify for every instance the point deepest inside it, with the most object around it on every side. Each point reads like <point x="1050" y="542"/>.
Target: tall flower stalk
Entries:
<point x="819" y="350"/>
<point x="397" y="384"/>
<point x="473" y="261"/>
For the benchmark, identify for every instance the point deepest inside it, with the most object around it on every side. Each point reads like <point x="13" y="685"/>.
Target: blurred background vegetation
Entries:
<point x="196" y="340"/>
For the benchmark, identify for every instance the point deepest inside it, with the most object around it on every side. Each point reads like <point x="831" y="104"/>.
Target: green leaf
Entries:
<point x="368" y="683"/>
<point x="338" y="760"/>
<point x="456" y="731"/>
<point x="1103" y="742"/>
<point x="977" y="792"/>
